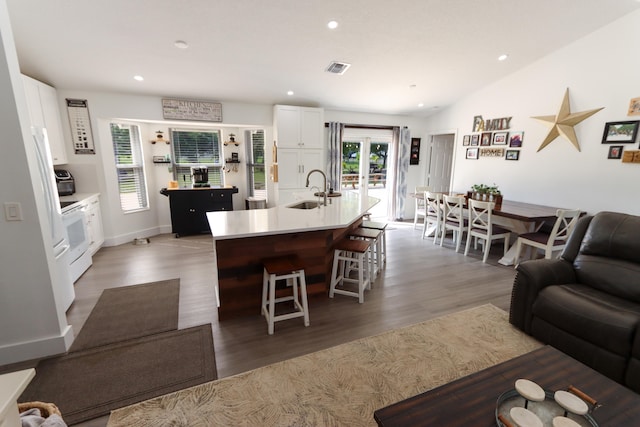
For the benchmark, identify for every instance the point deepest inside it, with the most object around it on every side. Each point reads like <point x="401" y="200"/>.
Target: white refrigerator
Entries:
<point x="63" y="285"/>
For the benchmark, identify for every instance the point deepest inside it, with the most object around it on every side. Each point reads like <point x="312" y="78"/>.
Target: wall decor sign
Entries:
<point x="515" y="139"/>
<point x="480" y="124"/>
<point x="492" y="152"/>
<point x="631" y="156"/>
<point x="80" y="123"/>
<point x="620" y="132"/>
<point x="513" y="155"/>
<point x="414" y="155"/>
<point x="183" y="109"/>
<point x="472" y="153"/>
<point x="634" y="107"/>
<point x="615" y="152"/>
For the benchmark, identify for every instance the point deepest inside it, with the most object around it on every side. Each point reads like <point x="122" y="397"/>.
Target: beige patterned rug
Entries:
<point x="342" y="385"/>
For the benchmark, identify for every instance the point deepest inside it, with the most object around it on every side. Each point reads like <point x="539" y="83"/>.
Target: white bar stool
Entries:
<point x="284" y="268"/>
<point x="375" y="250"/>
<point x="349" y="255"/>
<point x="382" y="226"/>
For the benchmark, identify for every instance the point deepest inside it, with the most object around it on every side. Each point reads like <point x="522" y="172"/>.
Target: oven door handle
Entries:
<point x="61" y="250"/>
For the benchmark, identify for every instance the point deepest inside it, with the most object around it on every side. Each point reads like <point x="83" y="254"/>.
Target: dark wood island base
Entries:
<point x="239" y="263"/>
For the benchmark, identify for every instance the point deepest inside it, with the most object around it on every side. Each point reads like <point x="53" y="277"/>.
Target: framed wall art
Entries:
<point x="485" y="139"/>
<point x="500" y="138"/>
<point x="513" y="155"/>
<point x="634" y="107"/>
<point x="615" y="152"/>
<point x="472" y="154"/>
<point x="466" y="140"/>
<point x="414" y="158"/>
<point x="515" y="139"/>
<point x="620" y="132"/>
<point x="475" y="139"/>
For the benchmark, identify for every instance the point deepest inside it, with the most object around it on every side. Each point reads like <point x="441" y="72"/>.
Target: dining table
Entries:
<point x="518" y="217"/>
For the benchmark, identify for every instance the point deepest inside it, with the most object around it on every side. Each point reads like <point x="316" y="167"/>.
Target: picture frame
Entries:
<point x="500" y="138"/>
<point x="472" y="154"/>
<point x="615" y="152"/>
<point x="466" y="140"/>
<point x="634" y="107"/>
<point x="516" y="138"/>
<point x="512" y="155"/>
<point x="475" y="139"/>
<point x="414" y="158"/>
<point x="623" y="132"/>
<point x="485" y="139"/>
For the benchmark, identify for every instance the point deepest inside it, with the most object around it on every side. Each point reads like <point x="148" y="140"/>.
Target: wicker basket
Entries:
<point x="46" y="409"/>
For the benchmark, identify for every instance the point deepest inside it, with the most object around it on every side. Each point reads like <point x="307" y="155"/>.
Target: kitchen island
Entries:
<point x="242" y="239"/>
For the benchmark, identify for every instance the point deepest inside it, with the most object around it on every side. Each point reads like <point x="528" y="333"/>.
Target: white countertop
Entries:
<point x="76" y="197"/>
<point x="341" y="212"/>
<point x="11" y="387"/>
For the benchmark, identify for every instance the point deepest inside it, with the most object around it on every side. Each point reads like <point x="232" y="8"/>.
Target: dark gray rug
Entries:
<point x="90" y="383"/>
<point x="130" y="312"/>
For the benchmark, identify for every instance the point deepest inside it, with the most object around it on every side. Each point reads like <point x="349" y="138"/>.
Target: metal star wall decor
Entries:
<point x="562" y="123"/>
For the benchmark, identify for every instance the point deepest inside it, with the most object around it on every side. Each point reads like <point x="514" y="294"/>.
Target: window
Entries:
<point x="130" y="167"/>
<point x="255" y="164"/>
<point x="195" y="148"/>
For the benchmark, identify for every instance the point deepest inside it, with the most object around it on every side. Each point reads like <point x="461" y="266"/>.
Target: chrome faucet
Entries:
<point x="324" y="194"/>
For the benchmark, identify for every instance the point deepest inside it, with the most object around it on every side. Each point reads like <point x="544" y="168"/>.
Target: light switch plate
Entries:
<point x="12" y="211"/>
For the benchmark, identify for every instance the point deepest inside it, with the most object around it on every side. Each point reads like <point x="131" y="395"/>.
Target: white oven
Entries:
<point x="79" y="257"/>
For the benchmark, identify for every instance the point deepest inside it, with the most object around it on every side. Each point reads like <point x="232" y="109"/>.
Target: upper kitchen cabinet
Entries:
<point x="298" y="127"/>
<point x="42" y="101"/>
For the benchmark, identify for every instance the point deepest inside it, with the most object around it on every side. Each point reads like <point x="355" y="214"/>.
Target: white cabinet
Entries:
<point x="294" y="165"/>
<point x="298" y="127"/>
<point x="94" y="223"/>
<point x="42" y="101"/>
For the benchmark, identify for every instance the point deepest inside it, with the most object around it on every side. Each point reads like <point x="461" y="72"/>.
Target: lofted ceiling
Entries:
<point x="402" y="53"/>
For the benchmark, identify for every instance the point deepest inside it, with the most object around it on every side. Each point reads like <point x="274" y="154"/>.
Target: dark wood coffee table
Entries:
<point x="471" y="401"/>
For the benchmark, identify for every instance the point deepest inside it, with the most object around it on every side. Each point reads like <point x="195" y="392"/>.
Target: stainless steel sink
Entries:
<point x="307" y="204"/>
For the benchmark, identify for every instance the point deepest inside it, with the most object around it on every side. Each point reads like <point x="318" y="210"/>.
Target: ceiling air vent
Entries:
<point x="337" y="67"/>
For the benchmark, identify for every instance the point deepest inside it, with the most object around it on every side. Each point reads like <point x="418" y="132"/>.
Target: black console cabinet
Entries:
<point x="189" y="207"/>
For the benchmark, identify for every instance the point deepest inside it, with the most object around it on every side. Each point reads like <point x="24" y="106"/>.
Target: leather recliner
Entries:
<point x="587" y="302"/>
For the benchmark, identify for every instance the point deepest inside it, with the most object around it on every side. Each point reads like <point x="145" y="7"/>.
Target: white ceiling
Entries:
<point x="256" y="50"/>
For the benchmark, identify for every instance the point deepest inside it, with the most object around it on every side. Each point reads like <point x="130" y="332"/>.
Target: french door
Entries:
<point x="364" y="169"/>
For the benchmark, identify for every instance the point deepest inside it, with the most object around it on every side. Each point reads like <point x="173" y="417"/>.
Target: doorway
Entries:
<point x="440" y="162"/>
<point x="364" y="168"/>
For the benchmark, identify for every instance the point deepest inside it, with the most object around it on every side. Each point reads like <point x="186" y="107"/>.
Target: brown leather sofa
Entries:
<point x="587" y="302"/>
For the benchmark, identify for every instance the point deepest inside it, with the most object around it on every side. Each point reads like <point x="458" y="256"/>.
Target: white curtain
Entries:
<point x="334" y="160"/>
<point x="402" y="146"/>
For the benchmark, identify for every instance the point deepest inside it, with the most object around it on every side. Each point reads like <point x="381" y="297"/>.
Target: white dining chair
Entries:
<point x="481" y="227"/>
<point x="553" y="241"/>
<point x="434" y="216"/>
<point x="420" y="210"/>
<point x="453" y="219"/>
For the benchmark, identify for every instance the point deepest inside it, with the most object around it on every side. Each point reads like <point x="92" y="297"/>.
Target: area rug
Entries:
<point x="130" y="312"/>
<point x="342" y="385"/>
<point x="90" y="383"/>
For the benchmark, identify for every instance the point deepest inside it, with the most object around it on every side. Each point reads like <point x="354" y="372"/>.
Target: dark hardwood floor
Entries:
<point x="421" y="281"/>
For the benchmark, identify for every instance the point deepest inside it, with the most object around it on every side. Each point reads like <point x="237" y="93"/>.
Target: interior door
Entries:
<point x="441" y="160"/>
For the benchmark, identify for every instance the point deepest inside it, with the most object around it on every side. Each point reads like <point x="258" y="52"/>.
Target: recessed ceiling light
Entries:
<point x="181" y="44"/>
<point x="138" y="78"/>
<point x="332" y="25"/>
<point x="290" y="92"/>
<point x="503" y="57"/>
<point x="421" y="105"/>
<point x="412" y="86"/>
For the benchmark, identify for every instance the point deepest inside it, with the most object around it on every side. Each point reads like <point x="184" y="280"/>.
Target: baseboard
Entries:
<point x="129" y="237"/>
<point x="44" y="347"/>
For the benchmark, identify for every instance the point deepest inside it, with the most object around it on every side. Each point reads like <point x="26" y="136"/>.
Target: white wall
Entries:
<point x="600" y="70"/>
<point x="31" y="326"/>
